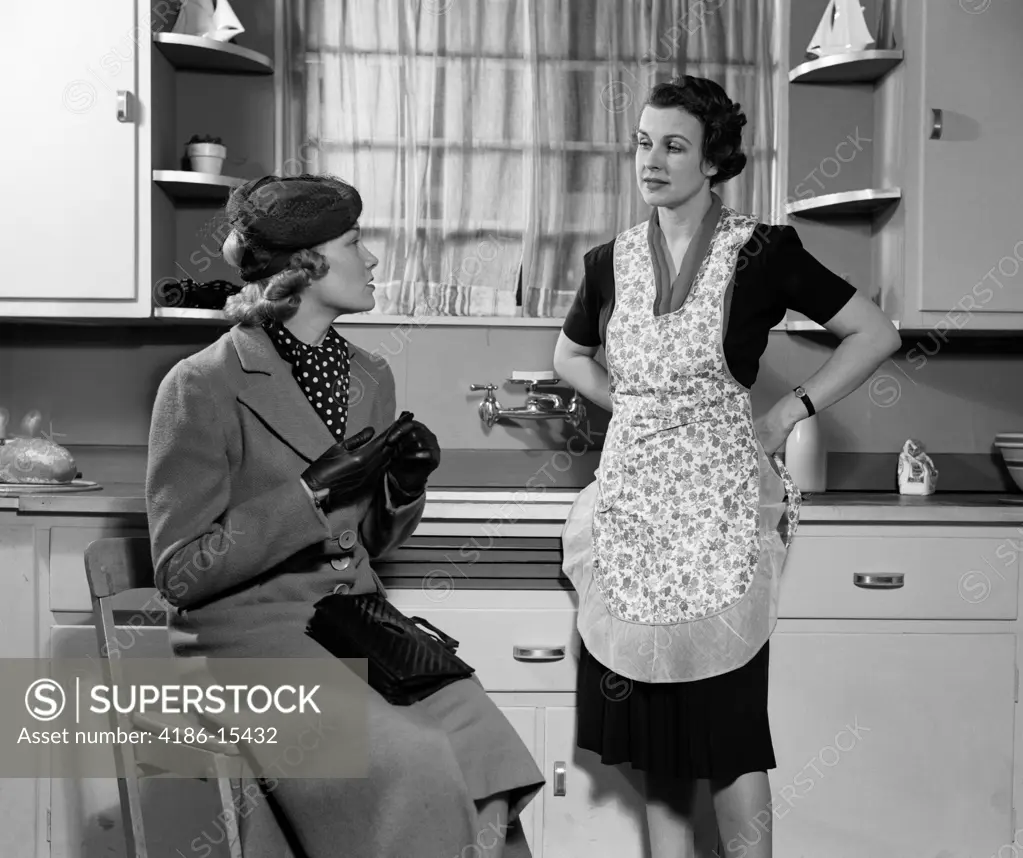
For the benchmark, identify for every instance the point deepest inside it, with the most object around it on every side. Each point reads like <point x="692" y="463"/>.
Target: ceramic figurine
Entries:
<point x="842" y="30"/>
<point x="212" y="19"/>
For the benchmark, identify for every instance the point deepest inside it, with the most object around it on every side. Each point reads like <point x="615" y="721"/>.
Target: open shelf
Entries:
<point x="193" y="315"/>
<point x="865" y="202"/>
<point x="197" y="187"/>
<point x="195" y="53"/>
<point x="854" y="67"/>
<point x="190" y="314"/>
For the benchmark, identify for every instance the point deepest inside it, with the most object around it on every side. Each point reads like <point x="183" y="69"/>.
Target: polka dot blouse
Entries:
<point x="322" y="373"/>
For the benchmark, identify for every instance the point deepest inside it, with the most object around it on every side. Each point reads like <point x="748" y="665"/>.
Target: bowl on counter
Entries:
<point x="1012" y="455"/>
<point x="1010" y="446"/>
<point x="1016" y="472"/>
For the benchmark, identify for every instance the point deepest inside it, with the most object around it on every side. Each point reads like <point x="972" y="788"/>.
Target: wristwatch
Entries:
<point x="801" y="394"/>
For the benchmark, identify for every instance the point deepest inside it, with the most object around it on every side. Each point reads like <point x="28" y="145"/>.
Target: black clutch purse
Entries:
<point x="407" y="663"/>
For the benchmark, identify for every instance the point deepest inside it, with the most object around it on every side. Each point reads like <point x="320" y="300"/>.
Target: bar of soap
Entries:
<point x="536" y="375"/>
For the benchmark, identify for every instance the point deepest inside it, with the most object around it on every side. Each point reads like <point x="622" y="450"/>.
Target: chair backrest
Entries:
<point x="121" y="579"/>
<point x="116" y="564"/>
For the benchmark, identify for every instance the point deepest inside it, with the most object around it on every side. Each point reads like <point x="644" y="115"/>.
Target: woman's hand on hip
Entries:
<point x="773" y="428"/>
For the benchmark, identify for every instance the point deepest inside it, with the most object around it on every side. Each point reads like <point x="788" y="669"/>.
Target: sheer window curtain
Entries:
<point x="491" y="140"/>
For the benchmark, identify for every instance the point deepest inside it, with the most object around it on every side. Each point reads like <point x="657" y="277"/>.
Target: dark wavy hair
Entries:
<point x="722" y="120"/>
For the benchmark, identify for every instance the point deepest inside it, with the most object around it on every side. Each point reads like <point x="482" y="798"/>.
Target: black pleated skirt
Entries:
<point x="715" y="728"/>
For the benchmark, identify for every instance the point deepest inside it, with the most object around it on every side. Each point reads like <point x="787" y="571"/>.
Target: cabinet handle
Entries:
<point x="530" y="653"/>
<point x="879" y="582"/>
<point x="559" y="778"/>
<point x="124" y="106"/>
<point x="937" y="118"/>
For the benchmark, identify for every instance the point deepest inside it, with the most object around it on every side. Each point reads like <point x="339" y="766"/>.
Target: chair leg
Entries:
<point x="225" y="785"/>
<point x="131" y="814"/>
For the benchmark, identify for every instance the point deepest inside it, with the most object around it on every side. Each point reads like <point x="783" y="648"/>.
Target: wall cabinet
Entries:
<point x="917" y="203"/>
<point x="72" y="158"/>
<point x="106" y="205"/>
<point x="955" y="132"/>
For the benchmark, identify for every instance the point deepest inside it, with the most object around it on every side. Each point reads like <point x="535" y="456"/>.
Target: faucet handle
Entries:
<point x="482" y="387"/>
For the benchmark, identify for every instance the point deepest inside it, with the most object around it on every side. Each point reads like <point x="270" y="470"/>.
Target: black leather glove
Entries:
<point x="416" y="456"/>
<point x="350" y="465"/>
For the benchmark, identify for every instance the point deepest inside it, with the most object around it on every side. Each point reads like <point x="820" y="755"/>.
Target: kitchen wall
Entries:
<point x="97" y="384"/>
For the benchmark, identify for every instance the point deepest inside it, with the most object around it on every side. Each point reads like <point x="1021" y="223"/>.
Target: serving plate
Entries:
<point x="9" y="489"/>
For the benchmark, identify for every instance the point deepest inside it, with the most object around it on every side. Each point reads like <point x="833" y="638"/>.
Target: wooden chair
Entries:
<point x="121" y="579"/>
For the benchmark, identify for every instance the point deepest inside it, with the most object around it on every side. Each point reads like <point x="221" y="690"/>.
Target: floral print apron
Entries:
<point x="677" y="548"/>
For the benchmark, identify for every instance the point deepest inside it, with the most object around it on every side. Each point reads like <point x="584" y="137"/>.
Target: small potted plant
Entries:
<point x="206" y="154"/>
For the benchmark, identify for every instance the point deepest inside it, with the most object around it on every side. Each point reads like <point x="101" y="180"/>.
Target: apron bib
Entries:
<point x="677" y="547"/>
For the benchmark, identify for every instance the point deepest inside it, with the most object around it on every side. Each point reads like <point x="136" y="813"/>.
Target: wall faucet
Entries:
<point x="539" y="406"/>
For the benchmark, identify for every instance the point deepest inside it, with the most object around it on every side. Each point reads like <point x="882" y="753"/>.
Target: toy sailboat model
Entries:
<point x="211" y="19"/>
<point x="841" y="30"/>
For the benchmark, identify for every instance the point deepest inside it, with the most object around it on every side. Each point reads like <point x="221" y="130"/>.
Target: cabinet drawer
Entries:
<point x="900" y="577"/>
<point x="511" y="649"/>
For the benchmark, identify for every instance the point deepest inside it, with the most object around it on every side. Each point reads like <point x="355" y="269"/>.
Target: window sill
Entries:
<point x="450" y="321"/>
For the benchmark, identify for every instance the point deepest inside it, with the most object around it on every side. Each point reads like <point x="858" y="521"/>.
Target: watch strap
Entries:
<point x="800" y="393"/>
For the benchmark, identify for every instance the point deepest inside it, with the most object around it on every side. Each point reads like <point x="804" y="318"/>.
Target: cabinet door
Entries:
<point x="892" y="745"/>
<point x="70" y="167"/>
<point x="21" y="835"/>
<point x="593" y="809"/>
<point x="523" y="719"/>
<point x="970" y="248"/>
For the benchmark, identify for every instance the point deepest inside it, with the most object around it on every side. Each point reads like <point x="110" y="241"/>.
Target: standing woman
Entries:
<point x="274" y="454"/>
<point x="677" y="547"/>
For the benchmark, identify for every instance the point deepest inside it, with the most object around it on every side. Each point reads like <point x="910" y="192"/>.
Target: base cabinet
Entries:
<point x="894" y="737"/>
<point x="592" y="809"/>
<point x="523" y="719"/>
<point x="588" y="808"/>
<point x="892" y="745"/>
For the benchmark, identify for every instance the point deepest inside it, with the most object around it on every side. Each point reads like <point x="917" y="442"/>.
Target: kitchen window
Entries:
<point x="491" y="139"/>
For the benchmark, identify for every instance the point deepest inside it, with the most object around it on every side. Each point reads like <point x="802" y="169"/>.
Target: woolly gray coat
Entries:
<point x="242" y="554"/>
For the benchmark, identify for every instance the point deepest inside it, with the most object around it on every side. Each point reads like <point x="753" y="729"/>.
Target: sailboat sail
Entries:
<point x="842" y="29"/>
<point x="211" y="19"/>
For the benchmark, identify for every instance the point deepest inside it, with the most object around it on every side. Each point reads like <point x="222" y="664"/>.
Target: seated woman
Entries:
<point x="274" y="456"/>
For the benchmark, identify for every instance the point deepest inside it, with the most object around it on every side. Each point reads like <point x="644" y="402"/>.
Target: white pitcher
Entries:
<point x="806" y="456"/>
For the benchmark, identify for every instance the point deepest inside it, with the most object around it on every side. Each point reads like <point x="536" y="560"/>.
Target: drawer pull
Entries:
<point x="559" y="778"/>
<point x="532" y="653"/>
<point x="879" y="582"/>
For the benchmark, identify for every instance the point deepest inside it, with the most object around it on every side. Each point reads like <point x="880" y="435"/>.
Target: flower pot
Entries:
<point x="206" y="157"/>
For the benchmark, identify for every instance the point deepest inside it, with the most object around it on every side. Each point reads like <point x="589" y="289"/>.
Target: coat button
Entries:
<point x="346" y="540"/>
<point x="341" y="563"/>
<point x="342" y="589"/>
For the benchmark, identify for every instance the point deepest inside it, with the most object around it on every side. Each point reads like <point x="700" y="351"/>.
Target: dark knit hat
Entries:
<point x="275" y="216"/>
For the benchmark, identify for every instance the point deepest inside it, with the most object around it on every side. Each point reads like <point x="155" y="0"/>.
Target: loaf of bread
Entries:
<point x="30" y="459"/>
<point x="35" y="460"/>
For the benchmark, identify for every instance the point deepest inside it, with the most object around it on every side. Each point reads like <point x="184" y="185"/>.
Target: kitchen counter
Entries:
<point x="553" y="505"/>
